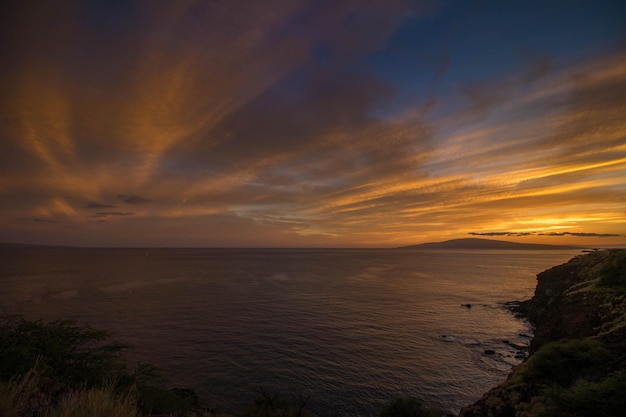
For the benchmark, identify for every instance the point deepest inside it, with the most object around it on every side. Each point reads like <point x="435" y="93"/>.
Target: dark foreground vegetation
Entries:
<point x="60" y="369"/>
<point x="577" y="365"/>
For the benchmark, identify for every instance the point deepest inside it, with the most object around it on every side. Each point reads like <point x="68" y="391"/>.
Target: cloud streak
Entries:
<point x="281" y="123"/>
<point x="132" y="199"/>
<point x="539" y="233"/>
<point x="111" y="214"/>
<point x="98" y="205"/>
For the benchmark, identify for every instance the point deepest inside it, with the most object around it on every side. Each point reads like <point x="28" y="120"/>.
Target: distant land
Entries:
<point x="475" y="243"/>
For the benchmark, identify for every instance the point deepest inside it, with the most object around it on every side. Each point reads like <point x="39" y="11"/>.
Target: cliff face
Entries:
<point x="579" y="344"/>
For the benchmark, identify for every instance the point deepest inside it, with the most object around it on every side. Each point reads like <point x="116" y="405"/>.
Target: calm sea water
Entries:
<point x="351" y="328"/>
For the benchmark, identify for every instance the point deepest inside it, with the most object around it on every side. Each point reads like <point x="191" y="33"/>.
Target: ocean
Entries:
<point x="349" y="328"/>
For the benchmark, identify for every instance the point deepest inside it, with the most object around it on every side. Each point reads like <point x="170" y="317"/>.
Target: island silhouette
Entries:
<point x="476" y="243"/>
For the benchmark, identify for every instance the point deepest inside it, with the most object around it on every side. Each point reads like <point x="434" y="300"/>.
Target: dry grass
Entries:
<point x="23" y="397"/>
<point x="97" y="402"/>
<point x="18" y="395"/>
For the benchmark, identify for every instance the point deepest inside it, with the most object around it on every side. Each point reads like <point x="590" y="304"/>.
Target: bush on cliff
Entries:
<point x="604" y="398"/>
<point x="613" y="273"/>
<point x="564" y="361"/>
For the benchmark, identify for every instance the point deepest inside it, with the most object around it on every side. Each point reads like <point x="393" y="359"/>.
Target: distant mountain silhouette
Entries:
<point x="475" y="243"/>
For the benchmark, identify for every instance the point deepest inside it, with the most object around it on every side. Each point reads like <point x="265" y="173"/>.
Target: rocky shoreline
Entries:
<point x="577" y="355"/>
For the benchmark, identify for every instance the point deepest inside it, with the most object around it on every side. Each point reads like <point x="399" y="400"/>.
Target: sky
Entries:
<point x="312" y="123"/>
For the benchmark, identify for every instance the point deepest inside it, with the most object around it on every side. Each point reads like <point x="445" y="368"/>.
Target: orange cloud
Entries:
<point x="212" y="115"/>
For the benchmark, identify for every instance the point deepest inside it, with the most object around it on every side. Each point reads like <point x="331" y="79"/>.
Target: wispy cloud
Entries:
<point x="98" y="205"/>
<point x="268" y="121"/>
<point x="111" y="213"/>
<point x="39" y="220"/>
<point x="132" y="199"/>
<point x="539" y="233"/>
<point x="581" y="234"/>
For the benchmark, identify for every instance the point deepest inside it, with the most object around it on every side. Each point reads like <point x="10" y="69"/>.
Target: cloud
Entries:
<point x="269" y="119"/>
<point x="502" y="233"/>
<point x="98" y="205"/>
<point x="111" y="214"/>
<point x="581" y="234"/>
<point x="291" y="119"/>
<point x="132" y="199"/>
<point x="539" y="233"/>
<point x="39" y="220"/>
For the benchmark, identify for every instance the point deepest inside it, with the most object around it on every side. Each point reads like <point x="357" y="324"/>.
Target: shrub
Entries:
<point x="563" y="361"/>
<point x="70" y="354"/>
<point x="83" y="362"/>
<point x="604" y="398"/>
<point x="613" y="273"/>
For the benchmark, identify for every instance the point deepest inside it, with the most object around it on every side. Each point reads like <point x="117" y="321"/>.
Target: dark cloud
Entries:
<point x="578" y="234"/>
<point x="594" y="120"/>
<point x="501" y="233"/>
<point x="297" y="114"/>
<point x="491" y="233"/>
<point x="39" y="220"/>
<point x="111" y="214"/>
<point x="98" y="205"/>
<point x="132" y="199"/>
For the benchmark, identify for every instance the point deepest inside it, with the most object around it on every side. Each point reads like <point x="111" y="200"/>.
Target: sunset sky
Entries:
<point x="312" y="123"/>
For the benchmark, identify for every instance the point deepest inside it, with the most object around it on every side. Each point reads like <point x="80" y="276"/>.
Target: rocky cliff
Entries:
<point x="577" y="365"/>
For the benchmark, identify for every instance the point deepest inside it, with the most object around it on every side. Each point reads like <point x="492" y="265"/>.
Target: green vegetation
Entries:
<point x="572" y="377"/>
<point x="565" y="378"/>
<point x="562" y="362"/>
<point x="60" y="369"/>
<point x="584" y="398"/>
<point x="70" y="354"/>
<point x="613" y="272"/>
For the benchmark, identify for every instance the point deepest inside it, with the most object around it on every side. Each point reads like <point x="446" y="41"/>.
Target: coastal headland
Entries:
<point x="577" y="362"/>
